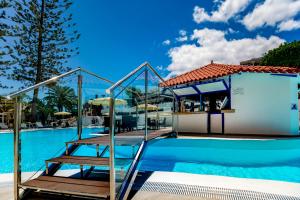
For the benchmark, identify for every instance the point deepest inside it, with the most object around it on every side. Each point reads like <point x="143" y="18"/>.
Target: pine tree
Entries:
<point x="44" y="34"/>
<point x="4" y="48"/>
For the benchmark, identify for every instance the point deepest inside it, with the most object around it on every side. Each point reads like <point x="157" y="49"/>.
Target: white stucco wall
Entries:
<point x="216" y="123"/>
<point x="191" y="123"/>
<point x="262" y="104"/>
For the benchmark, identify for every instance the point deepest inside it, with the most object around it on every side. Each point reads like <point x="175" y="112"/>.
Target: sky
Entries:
<point x="176" y="36"/>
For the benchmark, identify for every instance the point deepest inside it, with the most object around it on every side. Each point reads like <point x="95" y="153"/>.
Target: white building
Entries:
<point x="235" y="99"/>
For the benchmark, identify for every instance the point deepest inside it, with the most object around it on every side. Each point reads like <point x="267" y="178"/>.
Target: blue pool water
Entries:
<point x="40" y="145"/>
<point x="260" y="159"/>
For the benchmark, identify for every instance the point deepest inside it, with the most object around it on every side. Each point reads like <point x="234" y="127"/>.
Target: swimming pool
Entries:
<point x="40" y="145"/>
<point x="259" y="159"/>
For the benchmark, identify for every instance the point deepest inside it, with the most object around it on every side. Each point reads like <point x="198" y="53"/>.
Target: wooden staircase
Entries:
<point x="82" y="186"/>
<point x="85" y="186"/>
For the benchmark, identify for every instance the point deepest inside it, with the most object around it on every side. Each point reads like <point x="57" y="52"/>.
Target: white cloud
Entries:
<point x="182" y="36"/>
<point x="226" y="10"/>
<point x="289" y="25"/>
<point x="166" y="42"/>
<point x="200" y="15"/>
<point x="182" y="32"/>
<point x="211" y="44"/>
<point x="182" y="39"/>
<point x="271" y="12"/>
<point x="207" y="37"/>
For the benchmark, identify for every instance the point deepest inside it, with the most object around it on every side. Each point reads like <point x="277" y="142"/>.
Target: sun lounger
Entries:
<point x="73" y="124"/>
<point x="3" y="126"/>
<point x="30" y="125"/>
<point x="39" y="125"/>
<point x="53" y="124"/>
<point x="23" y="126"/>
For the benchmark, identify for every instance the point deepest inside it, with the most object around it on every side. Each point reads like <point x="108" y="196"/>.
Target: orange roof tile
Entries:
<point x="218" y="70"/>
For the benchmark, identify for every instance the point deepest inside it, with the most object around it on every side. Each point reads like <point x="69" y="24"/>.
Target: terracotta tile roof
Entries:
<point x="218" y="70"/>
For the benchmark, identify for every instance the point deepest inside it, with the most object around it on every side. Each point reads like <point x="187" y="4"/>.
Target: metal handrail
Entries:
<point x="128" y="178"/>
<point x="53" y="79"/>
<point x="109" y="90"/>
<point x="18" y="116"/>
<point x="97" y="76"/>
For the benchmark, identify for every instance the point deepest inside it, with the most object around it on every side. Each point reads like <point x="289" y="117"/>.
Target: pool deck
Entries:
<point x="174" y="185"/>
<point x="186" y="186"/>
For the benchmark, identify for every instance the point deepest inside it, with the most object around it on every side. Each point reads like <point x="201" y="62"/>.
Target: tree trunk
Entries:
<point x="39" y="67"/>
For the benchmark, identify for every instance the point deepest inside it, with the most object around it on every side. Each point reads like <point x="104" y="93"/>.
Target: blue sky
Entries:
<point x="119" y="35"/>
<point x="175" y="35"/>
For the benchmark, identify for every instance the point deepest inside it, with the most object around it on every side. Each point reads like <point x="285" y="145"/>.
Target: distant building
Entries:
<point x="252" y="61"/>
<point x="6" y="110"/>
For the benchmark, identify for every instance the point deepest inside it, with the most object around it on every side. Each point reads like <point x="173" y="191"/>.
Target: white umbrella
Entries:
<point x="62" y="113"/>
<point x="105" y="101"/>
<point x="149" y="107"/>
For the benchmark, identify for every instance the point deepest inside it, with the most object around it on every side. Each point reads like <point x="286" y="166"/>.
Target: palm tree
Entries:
<point x="44" y="110"/>
<point x="62" y="97"/>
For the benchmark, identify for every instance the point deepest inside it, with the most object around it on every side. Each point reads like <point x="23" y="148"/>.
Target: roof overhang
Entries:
<point x="216" y="86"/>
<point x="186" y="91"/>
<point x="202" y="88"/>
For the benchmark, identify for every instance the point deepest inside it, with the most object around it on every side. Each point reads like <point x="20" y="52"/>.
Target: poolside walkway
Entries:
<point x="6" y="184"/>
<point x="6" y="191"/>
<point x="174" y="185"/>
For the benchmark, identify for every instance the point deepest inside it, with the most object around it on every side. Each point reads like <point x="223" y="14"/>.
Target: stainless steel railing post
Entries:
<point x="79" y="107"/>
<point x="146" y="104"/>
<point x="173" y="111"/>
<point x="112" y="183"/>
<point x="156" y="103"/>
<point x="17" y="147"/>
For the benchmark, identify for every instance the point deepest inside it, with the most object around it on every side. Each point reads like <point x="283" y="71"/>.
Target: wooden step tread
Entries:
<point x="121" y="139"/>
<point x="68" y="185"/>
<point x="102" y="140"/>
<point x="80" y="160"/>
<point x="87" y="160"/>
